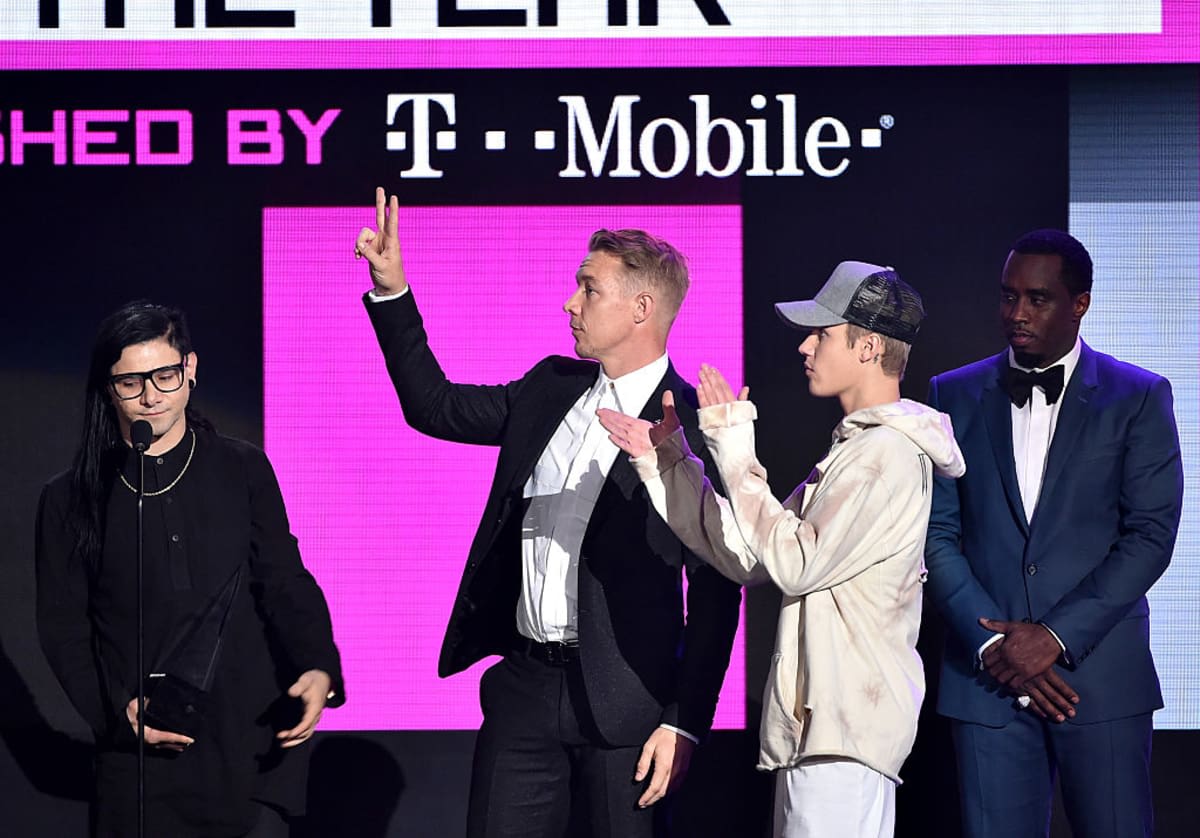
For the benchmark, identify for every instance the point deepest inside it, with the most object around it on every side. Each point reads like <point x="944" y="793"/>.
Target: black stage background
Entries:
<point x="975" y="157"/>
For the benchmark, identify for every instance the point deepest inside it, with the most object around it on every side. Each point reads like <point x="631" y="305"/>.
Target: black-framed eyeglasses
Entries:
<point x="131" y="385"/>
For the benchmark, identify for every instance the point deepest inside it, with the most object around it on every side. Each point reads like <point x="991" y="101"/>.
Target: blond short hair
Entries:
<point x="648" y="261"/>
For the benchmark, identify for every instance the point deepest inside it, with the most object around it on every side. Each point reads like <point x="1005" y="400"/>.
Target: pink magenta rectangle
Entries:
<point x="385" y="516"/>
<point x="1178" y="42"/>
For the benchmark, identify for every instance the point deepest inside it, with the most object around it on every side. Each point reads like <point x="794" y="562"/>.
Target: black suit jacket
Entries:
<point x="642" y="663"/>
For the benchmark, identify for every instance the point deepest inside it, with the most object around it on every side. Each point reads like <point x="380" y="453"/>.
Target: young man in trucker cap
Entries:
<point x="846" y="683"/>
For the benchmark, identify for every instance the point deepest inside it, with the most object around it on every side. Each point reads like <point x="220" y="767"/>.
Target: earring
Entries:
<point x="191" y="384"/>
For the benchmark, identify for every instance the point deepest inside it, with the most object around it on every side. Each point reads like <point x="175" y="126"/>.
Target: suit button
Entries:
<point x="1031" y="570"/>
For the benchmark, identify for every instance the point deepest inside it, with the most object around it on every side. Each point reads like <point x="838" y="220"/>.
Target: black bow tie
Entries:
<point x="1019" y="384"/>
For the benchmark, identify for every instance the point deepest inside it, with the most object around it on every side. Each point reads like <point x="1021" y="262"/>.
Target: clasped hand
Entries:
<point x="1023" y="662"/>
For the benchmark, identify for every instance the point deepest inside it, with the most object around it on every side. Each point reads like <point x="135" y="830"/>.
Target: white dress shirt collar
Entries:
<point x="634" y="389"/>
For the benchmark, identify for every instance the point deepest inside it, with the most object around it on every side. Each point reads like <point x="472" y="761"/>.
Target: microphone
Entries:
<point x="141" y="435"/>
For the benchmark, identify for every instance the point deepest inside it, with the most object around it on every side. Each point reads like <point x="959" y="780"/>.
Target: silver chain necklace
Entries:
<point x="170" y="485"/>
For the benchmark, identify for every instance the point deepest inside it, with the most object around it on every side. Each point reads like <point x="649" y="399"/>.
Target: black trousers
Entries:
<point x="541" y="769"/>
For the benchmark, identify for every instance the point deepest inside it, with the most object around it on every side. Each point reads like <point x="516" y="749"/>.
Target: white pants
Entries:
<point x="834" y="798"/>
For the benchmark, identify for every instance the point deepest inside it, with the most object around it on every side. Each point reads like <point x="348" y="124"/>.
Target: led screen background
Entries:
<point x="491" y="282"/>
<point x="250" y="231"/>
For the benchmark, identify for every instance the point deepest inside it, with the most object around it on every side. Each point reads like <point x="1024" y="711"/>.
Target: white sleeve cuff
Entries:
<point x="726" y="414"/>
<point x="993" y="639"/>
<point x="1057" y="639"/>
<point x="682" y="733"/>
<point x="375" y="297"/>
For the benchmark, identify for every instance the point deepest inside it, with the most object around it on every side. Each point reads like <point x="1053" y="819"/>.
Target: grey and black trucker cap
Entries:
<point x="870" y="296"/>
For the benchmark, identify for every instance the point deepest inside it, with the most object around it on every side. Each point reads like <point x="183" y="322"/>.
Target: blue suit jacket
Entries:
<point x="1101" y="534"/>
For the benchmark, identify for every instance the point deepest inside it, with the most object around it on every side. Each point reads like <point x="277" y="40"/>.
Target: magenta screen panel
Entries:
<point x="384" y="515"/>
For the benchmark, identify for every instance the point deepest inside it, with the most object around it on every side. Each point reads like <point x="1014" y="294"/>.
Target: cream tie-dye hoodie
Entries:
<point x="846" y="549"/>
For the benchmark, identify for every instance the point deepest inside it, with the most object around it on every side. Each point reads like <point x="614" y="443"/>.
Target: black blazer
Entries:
<point x="642" y="663"/>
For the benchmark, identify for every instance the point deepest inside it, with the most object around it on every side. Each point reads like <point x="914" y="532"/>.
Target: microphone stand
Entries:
<point x="141" y="663"/>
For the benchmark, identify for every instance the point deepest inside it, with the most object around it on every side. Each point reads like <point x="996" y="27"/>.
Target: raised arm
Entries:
<point x="431" y="403"/>
<point x="681" y="494"/>
<point x="846" y="515"/>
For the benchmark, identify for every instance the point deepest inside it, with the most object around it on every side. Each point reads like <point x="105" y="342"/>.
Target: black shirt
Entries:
<point x="224" y="512"/>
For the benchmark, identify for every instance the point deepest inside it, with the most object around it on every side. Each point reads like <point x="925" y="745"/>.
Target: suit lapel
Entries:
<point x="997" y="413"/>
<point x="1072" y="418"/>
<point x="547" y="415"/>
<point x="623" y="480"/>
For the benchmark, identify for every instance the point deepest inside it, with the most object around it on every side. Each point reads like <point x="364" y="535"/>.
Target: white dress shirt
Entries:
<point x="1033" y="429"/>
<point x="562" y="491"/>
<point x="1032" y="432"/>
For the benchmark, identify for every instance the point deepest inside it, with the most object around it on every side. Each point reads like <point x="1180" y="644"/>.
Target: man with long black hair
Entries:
<point x="233" y="622"/>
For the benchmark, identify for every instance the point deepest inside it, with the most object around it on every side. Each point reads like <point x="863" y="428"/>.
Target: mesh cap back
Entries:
<point x="886" y="304"/>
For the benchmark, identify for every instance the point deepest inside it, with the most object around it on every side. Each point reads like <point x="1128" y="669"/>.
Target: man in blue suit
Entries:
<point x="1040" y="558"/>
